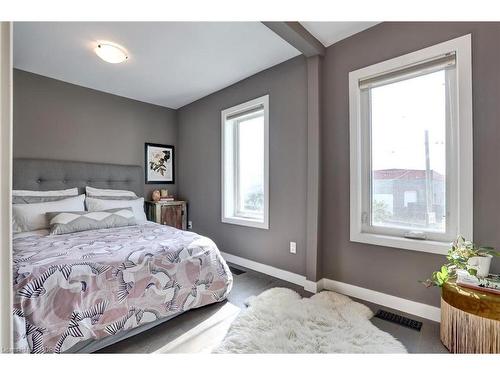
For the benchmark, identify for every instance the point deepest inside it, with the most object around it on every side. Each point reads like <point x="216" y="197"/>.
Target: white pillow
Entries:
<point x="95" y="192"/>
<point x="28" y="217"/>
<point x="137" y="205"/>
<point x="49" y="193"/>
<point x="37" y="196"/>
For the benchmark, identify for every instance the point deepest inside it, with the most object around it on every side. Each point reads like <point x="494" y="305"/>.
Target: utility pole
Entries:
<point x="429" y="214"/>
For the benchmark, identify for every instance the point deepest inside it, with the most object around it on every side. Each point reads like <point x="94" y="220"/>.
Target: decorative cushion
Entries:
<point x="29" y="217"/>
<point x="36" y="196"/>
<point x="78" y="221"/>
<point x="137" y="205"/>
<point x="117" y="198"/>
<point x="109" y="193"/>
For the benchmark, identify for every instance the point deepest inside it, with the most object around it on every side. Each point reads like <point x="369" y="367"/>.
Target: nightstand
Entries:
<point x="173" y="213"/>
<point x="470" y="319"/>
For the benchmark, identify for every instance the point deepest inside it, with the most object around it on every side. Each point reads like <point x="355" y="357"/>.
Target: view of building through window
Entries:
<point x="408" y="153"/>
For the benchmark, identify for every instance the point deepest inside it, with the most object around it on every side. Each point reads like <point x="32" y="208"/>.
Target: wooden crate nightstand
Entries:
<point x="173" y="213"/>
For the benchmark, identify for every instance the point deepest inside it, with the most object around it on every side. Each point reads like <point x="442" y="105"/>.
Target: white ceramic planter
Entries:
<point x="481" y="265"/>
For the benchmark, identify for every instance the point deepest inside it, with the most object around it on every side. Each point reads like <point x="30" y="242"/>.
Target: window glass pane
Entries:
<point x="250" y="197"/>
<point x="408" y="155"/>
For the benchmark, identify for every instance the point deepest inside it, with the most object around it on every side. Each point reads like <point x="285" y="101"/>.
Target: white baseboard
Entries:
<point x="398" y="303"/>
<point x="311" y="286"/>
<point x="291" y="277"/>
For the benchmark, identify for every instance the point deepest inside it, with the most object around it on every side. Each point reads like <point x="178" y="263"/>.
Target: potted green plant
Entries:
<point x="463" y="255"/>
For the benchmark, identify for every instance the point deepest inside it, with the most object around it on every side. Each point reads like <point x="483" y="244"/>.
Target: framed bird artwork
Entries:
<point x="159" y="163"/>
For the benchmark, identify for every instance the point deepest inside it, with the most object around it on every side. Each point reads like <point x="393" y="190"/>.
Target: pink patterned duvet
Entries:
<point x="90" y="285"/>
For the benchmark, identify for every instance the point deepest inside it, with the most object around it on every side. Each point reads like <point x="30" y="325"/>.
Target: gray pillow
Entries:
<point x="33" y="199"/>
<point x="114" y="198"/>
<point x="108" y="193"/>
<point x="41" y="196"/>
<point x="78" y="221"/>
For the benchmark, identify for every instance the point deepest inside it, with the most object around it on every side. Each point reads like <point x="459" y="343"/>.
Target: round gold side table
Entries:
<point x="470" y="320"/>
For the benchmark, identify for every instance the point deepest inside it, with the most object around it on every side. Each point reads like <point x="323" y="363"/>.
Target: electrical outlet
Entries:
<point x="293" y="247"/>
<point x="190" y="224"/>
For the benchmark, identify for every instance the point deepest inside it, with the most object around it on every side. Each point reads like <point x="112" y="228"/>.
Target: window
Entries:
<point x="245" y="164"/>
<point x="411" y="149"/>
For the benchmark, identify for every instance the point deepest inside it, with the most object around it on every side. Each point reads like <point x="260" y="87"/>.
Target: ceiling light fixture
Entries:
<point x="111" y="52"/>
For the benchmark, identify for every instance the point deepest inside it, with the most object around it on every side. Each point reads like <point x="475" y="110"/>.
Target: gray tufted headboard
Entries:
<point x="45" y="174"/>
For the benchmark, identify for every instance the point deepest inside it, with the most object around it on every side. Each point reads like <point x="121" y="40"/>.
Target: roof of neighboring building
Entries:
<point x="405" y="174"/>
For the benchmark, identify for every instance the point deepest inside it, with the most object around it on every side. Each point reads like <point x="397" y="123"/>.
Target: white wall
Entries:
<point x="5" y="184"/>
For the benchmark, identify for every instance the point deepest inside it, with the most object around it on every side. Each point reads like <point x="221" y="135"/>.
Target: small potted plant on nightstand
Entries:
<point x="470" y="299"/>
<point x="463" y="255"/>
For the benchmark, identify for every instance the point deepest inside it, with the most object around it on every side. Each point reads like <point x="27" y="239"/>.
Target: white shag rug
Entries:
<point x="280" y="321"/>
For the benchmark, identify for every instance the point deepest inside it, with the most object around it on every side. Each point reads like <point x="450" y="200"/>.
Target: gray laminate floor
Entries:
<point x="200" y="330"/>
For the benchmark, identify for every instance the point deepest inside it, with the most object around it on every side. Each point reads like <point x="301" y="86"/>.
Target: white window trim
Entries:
<point x="464" y="134"/>
<point x="239" y="220"/>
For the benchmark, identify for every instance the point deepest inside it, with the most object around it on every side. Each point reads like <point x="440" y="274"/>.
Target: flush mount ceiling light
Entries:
<point x="111" y="52"/>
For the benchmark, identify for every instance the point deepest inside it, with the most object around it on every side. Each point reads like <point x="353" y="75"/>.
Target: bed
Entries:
<point x="82" y="291"/>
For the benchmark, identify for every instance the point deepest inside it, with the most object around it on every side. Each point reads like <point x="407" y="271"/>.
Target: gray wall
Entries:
<point x="200" y="155"/>
<point x="58" y="120"/>
<point x="390" y="270"/>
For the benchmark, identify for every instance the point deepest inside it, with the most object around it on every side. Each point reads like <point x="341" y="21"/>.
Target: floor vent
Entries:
<point x="236" y="271"/>
<point x="398" y="319"/>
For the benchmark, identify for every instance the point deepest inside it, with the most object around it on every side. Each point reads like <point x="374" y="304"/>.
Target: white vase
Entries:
<point x="481" y="265"/>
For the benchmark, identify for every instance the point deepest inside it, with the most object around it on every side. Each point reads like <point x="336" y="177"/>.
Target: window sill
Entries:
<point x="246" y="222"/>
<point x="427" y="246"/>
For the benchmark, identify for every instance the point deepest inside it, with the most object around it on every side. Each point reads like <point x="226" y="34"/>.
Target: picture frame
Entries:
<point x="159" y="163"/>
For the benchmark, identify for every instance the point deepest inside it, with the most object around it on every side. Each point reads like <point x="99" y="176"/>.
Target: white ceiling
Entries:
<point x="331" y="32"/>
<point x="170" y="63"/>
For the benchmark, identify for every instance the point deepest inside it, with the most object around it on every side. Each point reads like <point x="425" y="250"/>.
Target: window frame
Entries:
<point x="459" y="189"/>
<point x="230" y="181"/>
